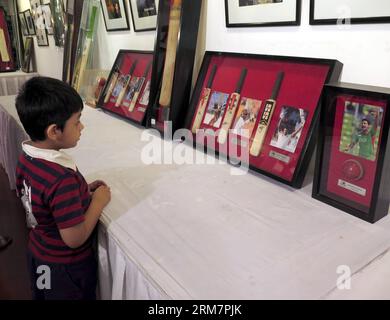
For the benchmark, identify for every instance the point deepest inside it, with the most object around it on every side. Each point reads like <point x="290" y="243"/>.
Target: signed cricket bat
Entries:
<point x="124" y="89"/>
<point x="139" y="87"/>
<point x="170" y="55"/>
<point x="203" y="100"/>
<point x="111" y="85"/>
<point x="265" y="118"/>
<point x="231" y="109"/>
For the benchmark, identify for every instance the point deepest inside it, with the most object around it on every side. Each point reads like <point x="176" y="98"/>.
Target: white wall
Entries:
<point x="363" y="49"/>
<point x="48" y="59"/>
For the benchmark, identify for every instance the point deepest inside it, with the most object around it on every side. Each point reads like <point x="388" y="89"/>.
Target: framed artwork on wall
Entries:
<point x="115" y="15"/>
<point x="262" y="13"/>
<point x="352" y="161"/>
<point x="349" y="11"/>
<point x="47" y="18"/>
<point x="30" y="22"/>
<point x="23" y="24"/>
<point x="144" y="14"/>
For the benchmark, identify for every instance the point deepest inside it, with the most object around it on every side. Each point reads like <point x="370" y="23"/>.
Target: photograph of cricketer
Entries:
<point x="289" y="129"/>
<point x="216" y="109"/>
<point x="246" y="117"/>
<point x="145" y="95"/>
<point x="361" y="130"/>
<point x="146" y="8"/>
<point x="120" y="84"/>
<point x="244" y="3"/>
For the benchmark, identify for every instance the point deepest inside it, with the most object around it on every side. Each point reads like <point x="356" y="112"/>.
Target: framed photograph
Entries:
<point x="263" y="109"/>
<point x="115" y="15"/>
<point x="127" y="89"/>
<point x="47" y="18"/>
<point x="29" y="22"/>
<point x="144" y="14"/>
<point x="28" y="49"/>
<point x="352" y="155"/>
<point x="23" y="24"/>
<point x="349" y="11"/>
<point x="262" y="13"/>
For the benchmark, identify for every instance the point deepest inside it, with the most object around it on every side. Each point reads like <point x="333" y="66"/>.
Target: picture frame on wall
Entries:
<point x="115" y="15"/>
<point x="262" y="13"/>
<point x="352" y="154"/>
<point x="342" y="12"/>
<point x="23" y="24"/>
<point x="144" y="14"/>
<point x="42" y="38"/>
<point x="28" y="49"/>
<point x="48" y="18"/>
<point x="30" y="22"/>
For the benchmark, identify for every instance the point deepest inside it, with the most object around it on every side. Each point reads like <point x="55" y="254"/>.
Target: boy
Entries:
<point x="61" y="207"/>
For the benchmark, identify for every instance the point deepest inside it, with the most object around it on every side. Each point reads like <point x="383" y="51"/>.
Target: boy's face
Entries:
<point x="72" y="131"/>
<point x="365" y="125"/>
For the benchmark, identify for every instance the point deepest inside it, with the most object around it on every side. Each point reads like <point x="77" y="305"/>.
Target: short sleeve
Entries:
<point x="66" y="204"/>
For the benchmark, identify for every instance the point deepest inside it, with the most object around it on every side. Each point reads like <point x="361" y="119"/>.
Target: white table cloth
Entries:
<point x="197" y="232"/>
<point x="10" y="82"/>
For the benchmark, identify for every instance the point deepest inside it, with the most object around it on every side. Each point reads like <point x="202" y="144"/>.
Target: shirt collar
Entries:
<point x="51" y="155"/>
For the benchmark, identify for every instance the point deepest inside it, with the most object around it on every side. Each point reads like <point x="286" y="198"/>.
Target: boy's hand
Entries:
<point x="102" y="196"/>
<point x="96" y="184"/>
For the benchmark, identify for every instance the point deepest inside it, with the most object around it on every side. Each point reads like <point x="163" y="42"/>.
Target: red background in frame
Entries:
<point x="143" y="59"/>
<point x="10" y="65"/>
<point x="337" y="157"/>
<point x="301" y="88"/>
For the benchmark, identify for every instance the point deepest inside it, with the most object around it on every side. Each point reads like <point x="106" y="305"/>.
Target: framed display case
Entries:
<point x="352" y="165"/>
<point x="261" y="109"/>
<point x="262" y="13"/>
<point x="173" y="61"/>
<point x="349" y="11"/>
<point x="127" y="89"/>
<point x="28" y="52"/>
<point x="7" y="62"/>
<point x="144" y="14"/>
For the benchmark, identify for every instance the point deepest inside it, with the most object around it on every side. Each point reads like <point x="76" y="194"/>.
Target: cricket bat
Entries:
<point x="170" y="55"/>
<point x="139" y="87"/>
<point x="231" y="109"/>
<point x="265" y="118"/>
<point x="124" y="89"/>
<point x="203" y="100"/>
<point x="111" y="85"/>
<point x="79" y="74"/>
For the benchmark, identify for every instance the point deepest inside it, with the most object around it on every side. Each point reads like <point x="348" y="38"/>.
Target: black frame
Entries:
<point x="381" y="190"/>
<point x="27" y="54"/>
<point x="51" y="18"/>
<point x="26" y="29"/>
<point x="134" y="25"/>
<point x="185" y="55"/>
<point x="295" y="22"/>
<point x="314" y="21"/>
<point x="308" y="149"/>
<point x="100" y="103"/>
<point x="28" y="12"/>
<point x="125" y="12"/>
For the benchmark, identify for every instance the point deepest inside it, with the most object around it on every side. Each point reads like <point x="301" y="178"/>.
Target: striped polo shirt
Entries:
<point x="55" y="196"/>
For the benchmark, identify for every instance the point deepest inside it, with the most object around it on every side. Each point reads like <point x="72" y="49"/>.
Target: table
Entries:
<point x="11" y="82"/>
<point x="198" y="232"/>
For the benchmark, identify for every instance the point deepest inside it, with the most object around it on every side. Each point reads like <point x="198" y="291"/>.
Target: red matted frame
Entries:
<point x="123" y="63"/>
<point x="9" y="64"/>
<point x="352" y="158"/>
<point x="300" y="88"/>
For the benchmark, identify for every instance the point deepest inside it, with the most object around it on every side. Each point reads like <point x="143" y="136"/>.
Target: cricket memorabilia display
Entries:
<point x="144" y="14"/>
<point x="85" y="42"/>
<point x="7" y="62"/>
<point x="28" y="52"/>
<point x="115" y="15"/>
<point x="352" y="156"/>
<point x="264" y="107"/>
<point x="23" y="24"/>
<point x="30" y="22"/>
<point x="47" y="18"/>
<point x="174" y="54"/>
<point x="39" y="22"/>
<point x="126" y="91"/>
<point x="58" y="18"/>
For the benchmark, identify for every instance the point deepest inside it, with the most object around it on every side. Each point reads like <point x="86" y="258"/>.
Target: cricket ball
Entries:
<point x="352" y="170"/>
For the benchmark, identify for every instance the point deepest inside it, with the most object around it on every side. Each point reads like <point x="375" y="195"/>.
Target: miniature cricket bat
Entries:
<point x="203" y="101"/>
<point x="170" y="55"/>
<point x="124" y="89"/>
<point x="111" y="85"/>
<point x="139" y="87"/>
<point x="266" y="116"/>
<point x="231" y="109"/>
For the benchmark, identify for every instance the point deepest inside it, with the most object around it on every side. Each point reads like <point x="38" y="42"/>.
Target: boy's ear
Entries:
<point x="52" y="132"/>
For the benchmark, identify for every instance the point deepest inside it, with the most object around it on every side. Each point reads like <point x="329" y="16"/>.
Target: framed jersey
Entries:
<point x="352" y="157"/>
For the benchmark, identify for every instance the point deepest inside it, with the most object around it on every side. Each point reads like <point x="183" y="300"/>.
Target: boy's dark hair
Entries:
<point x="43" y="101"/>
<point x="367" y="120"/>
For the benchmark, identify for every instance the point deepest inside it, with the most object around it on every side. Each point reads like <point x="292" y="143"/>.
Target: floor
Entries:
<point x="14" y="280"/>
